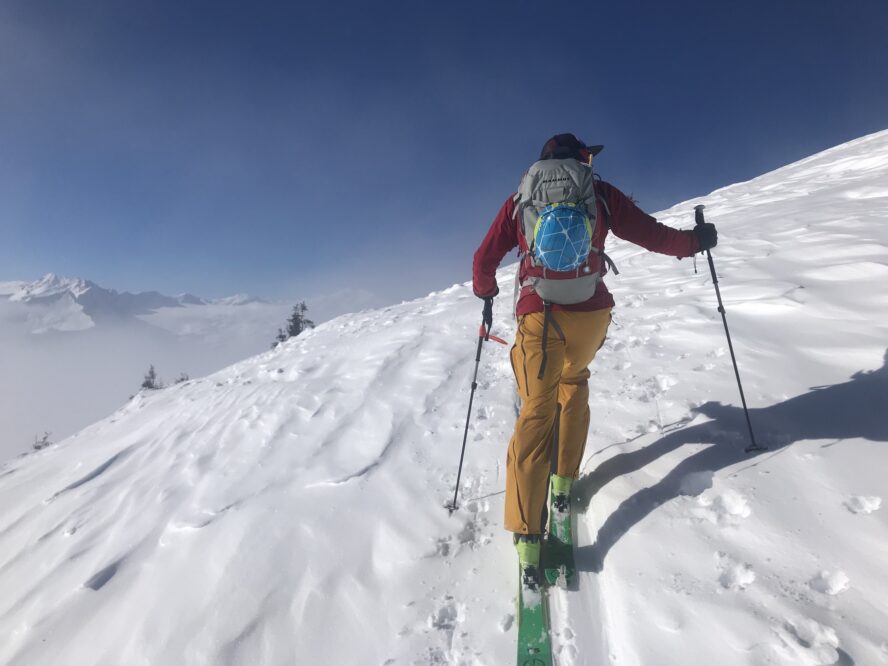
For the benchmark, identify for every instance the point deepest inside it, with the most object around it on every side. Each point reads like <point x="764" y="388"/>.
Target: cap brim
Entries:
<point x="595" y="149"/>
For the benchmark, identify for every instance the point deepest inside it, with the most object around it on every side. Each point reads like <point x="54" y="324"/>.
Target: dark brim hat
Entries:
<point x="562" y="146"/>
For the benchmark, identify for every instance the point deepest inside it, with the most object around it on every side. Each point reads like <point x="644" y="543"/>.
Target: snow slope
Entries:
<point x="289" y="509"/>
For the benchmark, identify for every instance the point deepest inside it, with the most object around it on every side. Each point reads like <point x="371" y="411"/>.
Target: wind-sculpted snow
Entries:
<point x="290" y="509"/>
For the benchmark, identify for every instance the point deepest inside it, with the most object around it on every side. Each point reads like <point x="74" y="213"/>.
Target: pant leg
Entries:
<point x="584" y="333"/>
<point x="530" y="449"/>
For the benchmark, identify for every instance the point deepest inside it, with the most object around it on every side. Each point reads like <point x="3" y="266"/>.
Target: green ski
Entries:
<point x="534" y="645"/>
<point x="558" y="563"/>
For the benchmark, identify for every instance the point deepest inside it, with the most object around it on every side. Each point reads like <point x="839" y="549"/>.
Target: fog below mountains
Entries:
<point x="61" y="381"/>
<point x="61" y="369"/>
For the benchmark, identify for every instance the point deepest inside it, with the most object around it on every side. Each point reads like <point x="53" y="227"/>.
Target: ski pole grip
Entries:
<point x="698" y="214"/>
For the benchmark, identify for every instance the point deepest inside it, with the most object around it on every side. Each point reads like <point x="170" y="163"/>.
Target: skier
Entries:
<point x="560" y="331"/>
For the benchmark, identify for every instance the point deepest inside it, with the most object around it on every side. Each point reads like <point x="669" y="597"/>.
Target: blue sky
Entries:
<point x="285" y="149"/>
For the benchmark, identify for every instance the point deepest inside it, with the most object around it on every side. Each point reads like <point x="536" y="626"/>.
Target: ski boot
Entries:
<point x="529" y="547"/>
<point x="558" y="556"/>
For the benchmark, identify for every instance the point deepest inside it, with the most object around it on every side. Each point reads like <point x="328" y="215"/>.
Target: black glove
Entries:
<point x="487" y="315"/>
<point x="706" y="235"/>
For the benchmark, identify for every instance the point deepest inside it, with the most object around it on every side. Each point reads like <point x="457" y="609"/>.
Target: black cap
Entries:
<point x="563" y="146"/>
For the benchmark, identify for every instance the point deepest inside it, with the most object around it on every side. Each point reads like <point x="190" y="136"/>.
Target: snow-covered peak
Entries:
<point x="237" y="299"/>
<point x="62" y="298"/>
<point x="289" y="509"/>
<point x="190" y="299"/>
<point x="51" y="286"/>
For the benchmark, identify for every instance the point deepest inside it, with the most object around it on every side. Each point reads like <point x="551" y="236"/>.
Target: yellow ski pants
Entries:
<point x="572" y="340"/>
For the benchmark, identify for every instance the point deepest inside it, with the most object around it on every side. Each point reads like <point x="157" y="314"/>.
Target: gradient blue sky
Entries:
<point x="284" y="149"/>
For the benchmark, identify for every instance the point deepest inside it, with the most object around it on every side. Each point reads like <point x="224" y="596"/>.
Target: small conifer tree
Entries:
<point x="296" y="324"/>
<point x="151" y="381"/>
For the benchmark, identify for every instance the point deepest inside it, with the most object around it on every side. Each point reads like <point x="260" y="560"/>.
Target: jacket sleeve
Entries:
<point x="631" y="223"/>
<point x="500" y="239"/>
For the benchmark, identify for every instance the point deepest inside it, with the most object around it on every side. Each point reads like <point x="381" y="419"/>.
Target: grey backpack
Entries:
<point x="546" y="184"/>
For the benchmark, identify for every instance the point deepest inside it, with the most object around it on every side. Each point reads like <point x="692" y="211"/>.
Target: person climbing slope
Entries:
<point x="559" y="219"/>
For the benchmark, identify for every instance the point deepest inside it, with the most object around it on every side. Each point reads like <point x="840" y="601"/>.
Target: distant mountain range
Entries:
<point x="77" y="303"/>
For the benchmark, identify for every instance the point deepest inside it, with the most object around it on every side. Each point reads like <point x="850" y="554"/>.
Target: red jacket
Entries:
<point x="626" y="220"/>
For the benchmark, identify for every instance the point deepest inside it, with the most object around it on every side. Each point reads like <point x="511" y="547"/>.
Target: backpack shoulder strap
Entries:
<point x="605" y="207"/>
<point x="600" y="197"/>
<point x="607" y="221"/>
<point x="516" y="208"/>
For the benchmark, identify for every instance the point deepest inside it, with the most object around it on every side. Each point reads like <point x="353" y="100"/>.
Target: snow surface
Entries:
<point x="289" y="509"/>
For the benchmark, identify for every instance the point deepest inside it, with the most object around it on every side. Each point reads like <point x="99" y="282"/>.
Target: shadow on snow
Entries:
<point x="857" y="408"/>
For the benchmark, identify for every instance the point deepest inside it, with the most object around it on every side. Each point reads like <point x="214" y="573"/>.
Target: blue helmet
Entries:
<point x="562" y="238"/>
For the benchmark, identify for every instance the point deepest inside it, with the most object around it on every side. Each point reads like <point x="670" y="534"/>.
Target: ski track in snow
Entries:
<point x="290" y="508"/>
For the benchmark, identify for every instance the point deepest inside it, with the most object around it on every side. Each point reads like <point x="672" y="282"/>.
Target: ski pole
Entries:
<point x="698" y="216"/>
<point x="482" y="335"/>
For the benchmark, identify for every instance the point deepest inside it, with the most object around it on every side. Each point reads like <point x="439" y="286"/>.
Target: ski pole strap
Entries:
<point x="485" y="334"/>
<point x="481" y="334"/>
